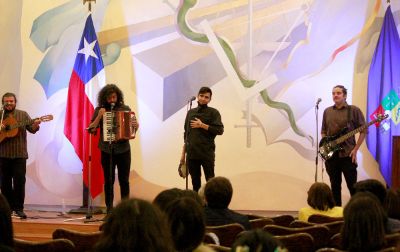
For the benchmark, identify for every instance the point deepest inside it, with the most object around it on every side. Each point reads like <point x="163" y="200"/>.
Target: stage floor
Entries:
<point x="43" y="220"/>
<point x="40" y="224"/>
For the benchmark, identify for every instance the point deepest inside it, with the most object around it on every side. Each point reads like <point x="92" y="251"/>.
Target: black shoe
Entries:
<point x="21" y="214"/>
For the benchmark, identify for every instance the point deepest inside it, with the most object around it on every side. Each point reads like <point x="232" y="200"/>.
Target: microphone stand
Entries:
<point x="110" y="166"/>
<point x="316" y="141"/>
<point x="189" y="107"/>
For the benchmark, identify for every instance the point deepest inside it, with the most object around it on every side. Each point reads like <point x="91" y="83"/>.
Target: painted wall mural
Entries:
<point x="267" y="61"/>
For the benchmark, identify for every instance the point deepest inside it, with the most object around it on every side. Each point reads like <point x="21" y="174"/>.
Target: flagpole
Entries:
<point x="90" y="4"/>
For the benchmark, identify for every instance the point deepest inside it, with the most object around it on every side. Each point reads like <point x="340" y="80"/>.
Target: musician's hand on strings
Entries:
<point x="196" y="123"/>
<point x="353" y="155"/>
<point x="36" y="123"/>
<point x="2" y="126"/>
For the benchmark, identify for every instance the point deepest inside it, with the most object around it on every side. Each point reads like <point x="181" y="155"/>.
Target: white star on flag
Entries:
<point x="88" y="49"/>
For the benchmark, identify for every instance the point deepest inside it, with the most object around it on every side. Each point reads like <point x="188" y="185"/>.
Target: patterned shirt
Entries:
<point x="334" y="120"/>
<point x="16" y="146"/>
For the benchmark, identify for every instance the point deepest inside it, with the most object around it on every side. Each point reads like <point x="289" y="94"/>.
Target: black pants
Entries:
<point x="123" y="163"/>
<point x="195" y="171"/>
<point x="13" y="171"/>
<point x="335" y="167"/>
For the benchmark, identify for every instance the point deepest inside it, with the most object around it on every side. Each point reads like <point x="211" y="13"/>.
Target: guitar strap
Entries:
<point x="349" y="117"/>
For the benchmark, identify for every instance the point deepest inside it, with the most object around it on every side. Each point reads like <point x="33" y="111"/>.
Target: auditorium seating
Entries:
<point x="260" y="223"/>
<point x="300" y="242"/>
<point x="83" y="241"/>
<point x="226" y="233"/>
<point x="319" y="233"/>
<point x="56" y="245"/>
<point x="319" y="218"/>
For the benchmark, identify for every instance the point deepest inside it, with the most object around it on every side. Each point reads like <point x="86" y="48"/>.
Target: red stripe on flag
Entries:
<point x="78" y="114"/>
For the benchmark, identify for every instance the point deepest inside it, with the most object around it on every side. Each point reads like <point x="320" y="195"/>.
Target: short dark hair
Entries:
<point x="204" y="90"/>
<point x="257" y="240"/>
<point x="218" y="192"/>
<point x="187" y="222"/>
<point x="320" y="196"/>
<point x="344" y="90"/>
<point x="8" y="94"/>
<point x="165" y="197"/>
<point x="373" y="186"/>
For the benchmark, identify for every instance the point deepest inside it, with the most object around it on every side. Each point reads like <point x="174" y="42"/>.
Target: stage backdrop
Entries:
<point x="277" y="57"/>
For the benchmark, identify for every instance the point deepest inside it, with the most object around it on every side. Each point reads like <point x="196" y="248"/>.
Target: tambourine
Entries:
<point x="182" y="170"/>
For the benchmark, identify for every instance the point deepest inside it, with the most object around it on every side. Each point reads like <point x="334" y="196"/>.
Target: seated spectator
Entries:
<point x="320" y="201"/>
<point x="218" y="194"/>
<point x="135" y="225"/>
<point x="6" y="228"/>
<point x="392" y="204"/>
<point x="378" y="189"/>
<point x="257" y="241"/>
<point x="364" y="224"/>
<point x="166" y="196"/>
<point x="186" y="220"/>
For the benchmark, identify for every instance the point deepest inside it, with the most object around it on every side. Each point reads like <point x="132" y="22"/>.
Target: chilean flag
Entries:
<point x="86" y="80"/>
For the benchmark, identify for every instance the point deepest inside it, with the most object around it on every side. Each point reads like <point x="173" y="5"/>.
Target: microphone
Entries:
<point x="318" y="101"/>
<point x="112" y="105"/>
<point x="192" y="98"/>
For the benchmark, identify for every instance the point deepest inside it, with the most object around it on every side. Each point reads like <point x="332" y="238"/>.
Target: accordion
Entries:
<point x="117" y="125"/>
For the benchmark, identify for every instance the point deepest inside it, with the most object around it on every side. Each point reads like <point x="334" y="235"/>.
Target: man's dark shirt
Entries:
<point x="200" y="143"/>
<point x="117" y="147"/>
<point x="217" y="217"/>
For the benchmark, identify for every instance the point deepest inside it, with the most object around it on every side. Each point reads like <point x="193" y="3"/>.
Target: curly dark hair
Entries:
<point x="320" y="197"/>
<point x="135" y="225"/>
<point x="106" y="91"/>
<point x="364" y="223"/>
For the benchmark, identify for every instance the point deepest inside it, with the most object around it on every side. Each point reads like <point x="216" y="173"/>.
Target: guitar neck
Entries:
<point x="23" y="123"/>
<point x="353" y="132"/>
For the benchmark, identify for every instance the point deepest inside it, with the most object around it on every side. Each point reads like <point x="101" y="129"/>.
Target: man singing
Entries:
<point x="202" y="125"/>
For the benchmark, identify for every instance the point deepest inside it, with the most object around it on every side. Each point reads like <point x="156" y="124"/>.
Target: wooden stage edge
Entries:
<point x="43" y="220"/>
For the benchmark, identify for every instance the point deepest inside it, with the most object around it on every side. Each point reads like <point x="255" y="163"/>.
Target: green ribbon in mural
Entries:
<point x="202" y="38"/>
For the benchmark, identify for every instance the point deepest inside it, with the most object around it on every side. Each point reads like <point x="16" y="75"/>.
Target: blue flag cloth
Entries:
<point x="383" y="95"/>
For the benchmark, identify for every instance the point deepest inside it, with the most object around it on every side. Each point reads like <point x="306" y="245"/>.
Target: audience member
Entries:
<point x="186" y="220"/>
<point x="135" y="225"/>
<point x="165" y="197"/>
<point x="218" y="194"/>
<point x="320" y="201"/>
<point x="6" y="228"/>
<point x="378" y="189"/>
<point x="364" y="224"/>
<point x="257" y="241"/>
<point x="392" y="204"/>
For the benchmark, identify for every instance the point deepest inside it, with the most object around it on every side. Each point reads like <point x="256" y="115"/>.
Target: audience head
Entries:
<point x="166" y="196"/>
<point x="135" y="225"/>
<point x="320" y="197"/>
<point x="373" y="186"/>
<point x="201" y="194"/>
<point x="193" y="195"/>
<point x="218" y="192"/>
<point x="392" y="204"/>
<point x="6" y="228"/>
<point x="364" y="223"/>
<point x="257" y="241"/>
<point x="186" y="221"/>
